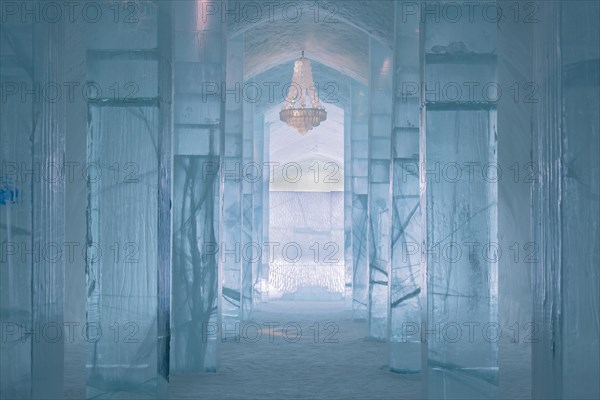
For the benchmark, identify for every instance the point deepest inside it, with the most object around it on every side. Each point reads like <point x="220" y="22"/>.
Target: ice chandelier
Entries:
<point x="302" y="109"/>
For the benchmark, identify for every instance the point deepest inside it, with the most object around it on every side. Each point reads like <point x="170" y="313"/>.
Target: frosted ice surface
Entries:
<point x="308" y="229"/>
<point x="122" y="290"/>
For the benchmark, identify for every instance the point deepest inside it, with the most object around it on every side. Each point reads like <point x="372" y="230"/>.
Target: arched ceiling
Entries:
<point x="372" y="17"/>
<point x="338" y="38"/>
<point x="337" y="45"/>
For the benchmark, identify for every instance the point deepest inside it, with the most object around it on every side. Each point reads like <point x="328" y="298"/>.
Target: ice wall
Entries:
<point x="307" y="259"/>
<point x="195" y="270"/>
<point x="515" y="297"/>
<point x="566" y="124"/>
<point x="580" y="39"/>
<point x="461" y="251"/>
<point x="16" y="208"/>
<point x="122" y="292"/>
<point x="128" y="259"/>
<point x="32" y="212"/>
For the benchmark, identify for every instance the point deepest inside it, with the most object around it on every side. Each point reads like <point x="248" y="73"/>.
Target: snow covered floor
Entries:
<point x="313" y="367"/>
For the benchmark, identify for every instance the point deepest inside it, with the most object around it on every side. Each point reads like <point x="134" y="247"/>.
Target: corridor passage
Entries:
<point x="341" y="363"/>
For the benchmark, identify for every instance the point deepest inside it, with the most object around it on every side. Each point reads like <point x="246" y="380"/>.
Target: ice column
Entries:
<point x="515" y="296"/>
<point x="165" y="186"/>
<point x="581" y="209"/>
<point x="32" y="147"/>
<point x="546" y="65"/>
<point x="359" y="131"/>
<point x="250" y="174"/>
<point x="566" y="135"/>
<point x="379" y="227"/>
<point x="16" y="213"/>
<point x="258" y="186"/>
<point x="129" y="138"/>
<point x="47" y="280"/>
<point x="199" y="70"/>
<point x="348" y="264"/>
<point x="405" y="278"/>
<point x="231" y="196"/>
<point x="459" y="180"/>
<point x="266" y="179"/>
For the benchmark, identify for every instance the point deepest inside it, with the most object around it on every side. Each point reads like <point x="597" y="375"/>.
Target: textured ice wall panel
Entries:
<point x="195" y="267"/>
<point x="15" y="234"/>
<point x="446" y="34"/>
<point x="231" y="215"/>
<point x="307" y="212"/>
<point x="248" y="178"/>
<point x="247" y="255"/>
<point x="266" y="215"/>
<point x="257" y="210"/>
<point x="405" y="271"/>
<point x="49" y="216"/>
<point x="359" y="172"/>
<point x="360" y="293"/>
<point x="461" y="80"/>
<point x="199" y="58"/>
<point x="348" y="261"/>
<point x="462" y="284"/>
<point x="580" y="201"/>
<point x="122" y="250"/>
<point x="461" y="213"/>
<point x="405" y="280"/>
<point x="308" y="258"/>
<point x="31" y="211"/>
<point x="307" y="282"/>
<point x="134" y="21"/>
<point x="380" y="217"/>
<point x="581" y="250"/>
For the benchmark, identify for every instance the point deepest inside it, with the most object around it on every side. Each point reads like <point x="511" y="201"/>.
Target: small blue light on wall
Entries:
<point x="8" y="193"/>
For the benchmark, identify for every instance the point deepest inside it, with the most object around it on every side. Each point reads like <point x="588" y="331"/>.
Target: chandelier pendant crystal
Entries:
<point x="301" y="109"/>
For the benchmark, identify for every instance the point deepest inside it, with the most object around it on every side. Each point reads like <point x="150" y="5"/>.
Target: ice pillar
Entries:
<point x="405" y="278"/>
<point x="16" y="213"/>
<point x="460" y="253"/>
<point x="199" y="70"/>
<point x="48" y="219"/>
<point x="581" y="210"/>
<point x="266" y="181"/>
<point x="359" y="131"/>
<point x="231" y="196"/>
<point x="566" y="208"/>
<point x="258" y="185"/>
<point x="129" y="136"/>
<point x="379" y="209"/>
<point x="32" y="191"/>
<point x="348" y="264"/>
<point x="515" y="297"/>
<point x="249" y="174"/>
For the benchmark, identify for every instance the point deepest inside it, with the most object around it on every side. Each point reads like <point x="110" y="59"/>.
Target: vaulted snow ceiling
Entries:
<point x="337" y="37"/>
<point x="337" y="43"/>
